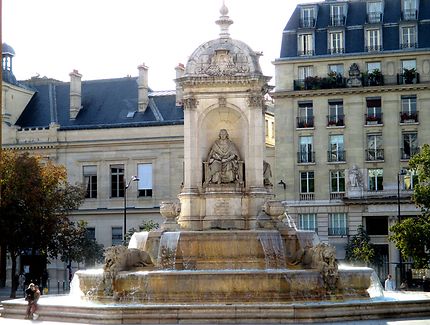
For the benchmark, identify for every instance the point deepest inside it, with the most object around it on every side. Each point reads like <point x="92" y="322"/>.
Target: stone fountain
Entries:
<point x="227" y="251"/>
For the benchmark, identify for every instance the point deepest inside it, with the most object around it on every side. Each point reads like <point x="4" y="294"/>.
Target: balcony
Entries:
<point x="373" y="119"/>
<point x="409" y="14"/>
<point x="305" y="52"/>
<point x="409" y="76"/>
<point x="343" y="231"/>
<point x="337" y="195"/>
<point x="408" y="153"/>
<point x="307" y="196"/>
<point x="409" y="117"/>
<point x="374" y="17"/>
<point x="307" y="22"/>
<point x="408" y="45"/>
<point x="336" y="156"/>
<point x="375" y="155"/>
<point x="337" y="20"/>
<point x="374" y="78"/>
<point x="314" y="83"/>
<point x="337" y="50"/>
<point x="305" y="122"/>
<point x="373" y="48"/>
<point x="306" y="157"/>
<point x="335" y="120"/>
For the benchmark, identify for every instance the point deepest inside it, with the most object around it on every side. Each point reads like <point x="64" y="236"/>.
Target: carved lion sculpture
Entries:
<point x="324" y="260"/>
<point x="121" y="258"/>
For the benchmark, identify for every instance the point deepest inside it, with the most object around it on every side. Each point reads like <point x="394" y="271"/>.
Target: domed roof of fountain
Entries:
<point x="223" y="56"/>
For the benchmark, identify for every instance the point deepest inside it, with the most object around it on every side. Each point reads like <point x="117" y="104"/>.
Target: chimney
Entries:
<point x="142" y="83"/>
<point x="75" y="93"/>
<point x="180" y="69"/>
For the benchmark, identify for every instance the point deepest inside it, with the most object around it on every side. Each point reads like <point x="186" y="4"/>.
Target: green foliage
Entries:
<point x="359" y="250"/>
<point x="35" y="202"/>
<point x="146" y="225"/>
<point x="412" y="235"/>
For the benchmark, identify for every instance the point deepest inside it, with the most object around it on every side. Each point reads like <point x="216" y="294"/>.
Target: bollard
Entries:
<point x="58" y="287"/>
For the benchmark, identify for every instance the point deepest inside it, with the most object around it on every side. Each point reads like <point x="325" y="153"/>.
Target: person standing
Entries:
<point x="389" y="284"/>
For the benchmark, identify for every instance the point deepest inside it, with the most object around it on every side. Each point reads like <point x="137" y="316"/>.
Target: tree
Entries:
<point x="412" y="235"/>
<point x="35" y="202"/>
<point x="144" y="226"/>
<point x="359" y="250"/>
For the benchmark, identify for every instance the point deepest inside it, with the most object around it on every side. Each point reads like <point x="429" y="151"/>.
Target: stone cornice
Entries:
<point x="222" y="80"/>
<point x="348" y="91"/>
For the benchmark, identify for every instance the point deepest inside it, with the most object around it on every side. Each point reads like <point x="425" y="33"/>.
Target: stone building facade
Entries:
<point x="352" y="92"/>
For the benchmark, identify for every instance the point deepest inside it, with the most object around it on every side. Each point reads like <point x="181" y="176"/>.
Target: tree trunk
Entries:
<point x="13" y="276"/>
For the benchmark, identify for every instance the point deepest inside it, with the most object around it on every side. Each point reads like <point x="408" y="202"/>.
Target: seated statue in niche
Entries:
<point x="223" y="161"/>
<point x="267" y="174"/>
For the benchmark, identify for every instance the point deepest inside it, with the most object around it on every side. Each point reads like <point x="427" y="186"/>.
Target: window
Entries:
<point x="117" y="180"/>
<point x="337" y="15"/>
<point x="373" y="40"/>
<point x="335" y="68"/>
<point x="91" y="233"/>
<point x="305" y="72"/>
<point x="337" y="224"/>
<point x="410" y="180"/>
<point x="409" y="112"/>
<point x="337" y="181"/>
<point x="372" y="66"/>
<point x="90" y="180"/>
<point x="306" y="44"/>
<point x="374" y="12"/>
<point x="308" y="221"/>
<point x="409" y="64"/>
<point x="374" y="111"/>
<point x="335" y="113"/>
<point x="376" y="179"/>
<point x="336" y="150"/>
<point x="376" y="225"/>
<point x="374" y="147"/>
<point x="273" y="130"/>
<point x="307" y="182"/>
<point x="308" y="17"/>
<point x="409" y="11"/>
<point x="306" y="115"/>
<point x="336" y="42"/>
<point x="144" y="186"/>
<point x="409" y="145"/>
<point x="408" y="37"/>
<point x="305" y="150"/>
<point x="116" y="236"/>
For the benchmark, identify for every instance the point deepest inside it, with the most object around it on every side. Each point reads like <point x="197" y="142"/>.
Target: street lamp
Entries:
<point x="402" y="172"/>
<point x="126" y="186"/>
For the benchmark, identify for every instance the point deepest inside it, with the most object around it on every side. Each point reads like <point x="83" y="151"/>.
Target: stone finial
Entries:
<point x="224" y="21"/>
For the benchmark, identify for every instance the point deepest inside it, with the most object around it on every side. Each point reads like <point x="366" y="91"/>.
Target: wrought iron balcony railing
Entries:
<point x="409" y="77"/>
<point x="373" y="48"/>
<point x="304" y="157"/>
<point x="337" y="20"/>
<point x="409" y="14"/>
<point x="374" y="154"/>
<point x="304" y="122"/>
<point x="336" y="50"/>
<point x="408" y="45"/>
<point x="342" y="231"/>
<point x="374" y="17"/>
<point x="409" y="117"/>
<point x="373" y="119"/>
<point x="336" y="155"/>
<point x="336" y="120"/>
<point x="305" y="52"/>
<point x="408" y="153"/>
<point x="307" y="22"/>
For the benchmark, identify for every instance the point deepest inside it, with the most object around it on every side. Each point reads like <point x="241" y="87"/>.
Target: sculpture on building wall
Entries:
<point x="267" y="173"/>
<point x="223" y="161"/>
<point x="354" y="79"/>
<point x="355" y="177"/>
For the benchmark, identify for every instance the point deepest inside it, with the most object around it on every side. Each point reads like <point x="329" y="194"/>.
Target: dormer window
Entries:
<point x="337" y="15"/>
<point x="374" y="12"/>
<point x="306" y="44"/>
<point x="409" y="10"/>
<point x="408" y="37"/>
<point x="307" y="18"/>
<point x="373" y="40"/>
<point x="336" y="42"/>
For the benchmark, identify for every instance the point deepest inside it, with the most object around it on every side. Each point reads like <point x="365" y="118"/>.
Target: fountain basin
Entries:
<point x="223" y="286"/>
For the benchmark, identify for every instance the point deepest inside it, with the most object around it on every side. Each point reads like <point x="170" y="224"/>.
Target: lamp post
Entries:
<point x="126" y="186"/>
<point x="402" y="172"/>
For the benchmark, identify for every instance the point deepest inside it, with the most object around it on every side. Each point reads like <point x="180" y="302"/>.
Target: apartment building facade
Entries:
<point x="352" y="92"/>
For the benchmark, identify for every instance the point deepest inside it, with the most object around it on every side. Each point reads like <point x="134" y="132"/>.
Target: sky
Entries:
<point x="110" y="38"/>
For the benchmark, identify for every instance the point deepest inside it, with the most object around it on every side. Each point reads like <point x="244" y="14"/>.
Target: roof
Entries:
<point x="107" y="103"/>
<point x="354" y="27"/>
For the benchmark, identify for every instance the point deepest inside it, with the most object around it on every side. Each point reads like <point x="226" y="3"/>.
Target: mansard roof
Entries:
<point x="107" y="103"/>
<point x="354" y="26"/>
